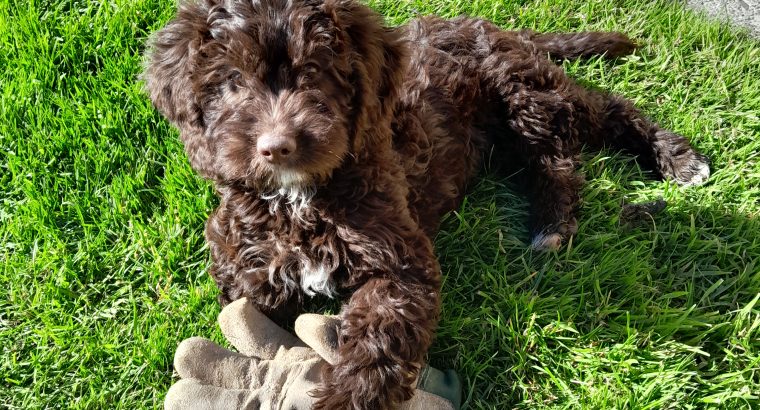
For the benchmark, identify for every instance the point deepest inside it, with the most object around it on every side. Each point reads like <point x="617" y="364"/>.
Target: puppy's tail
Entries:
<point x="562" y="46"/>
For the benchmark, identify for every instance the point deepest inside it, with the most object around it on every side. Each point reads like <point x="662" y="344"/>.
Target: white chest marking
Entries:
<point x="316" y="279"/>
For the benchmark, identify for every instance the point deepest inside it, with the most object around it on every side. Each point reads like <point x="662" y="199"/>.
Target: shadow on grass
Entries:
<point x="661" y="312"/>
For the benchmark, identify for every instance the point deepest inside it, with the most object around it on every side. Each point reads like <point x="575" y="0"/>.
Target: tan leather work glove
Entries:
<point x="274" y="369"/>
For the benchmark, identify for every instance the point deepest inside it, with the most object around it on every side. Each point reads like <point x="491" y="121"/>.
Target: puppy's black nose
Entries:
<point x="275" y="148"/>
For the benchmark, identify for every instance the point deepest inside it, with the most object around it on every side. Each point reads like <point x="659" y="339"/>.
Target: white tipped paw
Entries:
<point x="679" y="161"/>
<point x="696" y="172"/>
<point x="546" y="242"/>
<point x="551" y="237"/>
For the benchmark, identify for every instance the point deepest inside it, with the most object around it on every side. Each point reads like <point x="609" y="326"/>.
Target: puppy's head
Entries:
<point x="273" y="93"/>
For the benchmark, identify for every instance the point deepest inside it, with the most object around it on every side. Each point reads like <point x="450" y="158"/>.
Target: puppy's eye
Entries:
<point x="311" y="67"/>
<point x="308" y="73"/>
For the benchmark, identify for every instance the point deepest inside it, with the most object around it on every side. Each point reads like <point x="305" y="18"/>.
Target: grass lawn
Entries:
<point x="102" y="259"/>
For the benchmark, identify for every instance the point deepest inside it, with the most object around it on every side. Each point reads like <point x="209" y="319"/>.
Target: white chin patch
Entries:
<point x="293" y="195"/>
<point x="288" y="179"/>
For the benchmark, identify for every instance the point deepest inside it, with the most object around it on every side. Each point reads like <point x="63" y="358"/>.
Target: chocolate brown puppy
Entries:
<point x="336" y="144"/>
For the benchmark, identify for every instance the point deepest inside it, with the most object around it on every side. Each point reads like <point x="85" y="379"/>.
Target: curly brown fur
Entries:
<point x="336" y="144"/>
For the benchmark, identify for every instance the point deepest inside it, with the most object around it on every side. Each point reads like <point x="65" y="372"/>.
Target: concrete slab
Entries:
<point x="744" y="13"/>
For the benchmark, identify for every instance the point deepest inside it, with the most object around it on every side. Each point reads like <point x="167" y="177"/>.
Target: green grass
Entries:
<point x="103" y="260"/>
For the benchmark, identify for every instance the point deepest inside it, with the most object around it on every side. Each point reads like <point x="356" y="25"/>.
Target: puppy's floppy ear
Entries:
<point x="380" y="54"/>
<point x="171" y="61"/>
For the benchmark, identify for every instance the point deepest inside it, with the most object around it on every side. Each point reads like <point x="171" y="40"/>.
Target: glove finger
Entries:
<point x="423" y="400"/>
<point x="251" y="332"/>
<point x="320" y="333"/>
<point x="189" y="394"/>
<point x="203" y="360"/>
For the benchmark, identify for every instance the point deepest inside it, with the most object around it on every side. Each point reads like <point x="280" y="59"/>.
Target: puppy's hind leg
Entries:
<point x="601" y="119"/>
<point x="664" y="151"/>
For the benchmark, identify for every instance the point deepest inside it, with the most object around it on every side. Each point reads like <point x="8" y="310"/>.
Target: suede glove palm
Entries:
<point x="272" y="369"/>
